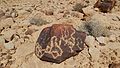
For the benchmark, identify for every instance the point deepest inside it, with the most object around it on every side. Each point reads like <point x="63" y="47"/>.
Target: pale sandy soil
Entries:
<point x="18" y="36"/>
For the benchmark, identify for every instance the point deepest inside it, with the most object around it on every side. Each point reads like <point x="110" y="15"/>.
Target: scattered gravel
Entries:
<point x="22" y="21"/>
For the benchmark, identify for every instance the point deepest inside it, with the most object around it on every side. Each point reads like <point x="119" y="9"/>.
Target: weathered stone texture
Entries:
<point x="59" y="42"/>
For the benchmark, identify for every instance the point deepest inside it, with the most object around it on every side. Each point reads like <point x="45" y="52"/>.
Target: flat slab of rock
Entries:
<point x="59" y="42"/>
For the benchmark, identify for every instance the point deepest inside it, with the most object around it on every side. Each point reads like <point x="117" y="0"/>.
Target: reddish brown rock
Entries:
<point x="105" y="5"/>
<point x="59" y="42"/>
<point x="114" y="65"/>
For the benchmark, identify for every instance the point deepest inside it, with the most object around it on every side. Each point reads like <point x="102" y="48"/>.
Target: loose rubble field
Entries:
<point x="21" y="22"/>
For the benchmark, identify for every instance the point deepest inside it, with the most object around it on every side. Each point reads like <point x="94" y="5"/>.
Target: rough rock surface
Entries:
<point x="29" y="17"/>
<point x="59" y="42"/>
<point x="105" y="5"/>
<point x="114" y="65"/>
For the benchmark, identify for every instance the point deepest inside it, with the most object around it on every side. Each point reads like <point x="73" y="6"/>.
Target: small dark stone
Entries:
<point x="105" y="5"/>
<point x="114" y="65"/>
<point x="59" y="42"/>
<point x="49" y="12"/>
<point x="29" y="31"/>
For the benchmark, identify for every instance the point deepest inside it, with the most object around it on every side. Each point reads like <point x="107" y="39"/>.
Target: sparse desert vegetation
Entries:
<point x="21" y="23"/>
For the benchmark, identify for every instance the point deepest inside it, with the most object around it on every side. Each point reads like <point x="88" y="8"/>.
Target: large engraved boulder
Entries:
<point x="59" y="42"/>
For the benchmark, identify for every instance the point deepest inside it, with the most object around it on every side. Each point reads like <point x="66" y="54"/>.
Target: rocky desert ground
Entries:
<point x="21" y="22"/>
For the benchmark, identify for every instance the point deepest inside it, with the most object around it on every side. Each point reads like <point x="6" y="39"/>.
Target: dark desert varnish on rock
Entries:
<point x="105" y="5"/>
<point x="59" y="42"/>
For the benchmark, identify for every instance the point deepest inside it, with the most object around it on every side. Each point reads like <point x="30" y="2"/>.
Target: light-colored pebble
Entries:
<point x="2" y="40"/>
<point x="90" y="40"/>
<point x="8" y="34"/>
<point x="88" y="10"/>
<point x="102" y="40"/>
<point x="95" y="53"/>
<point x="112" y="38"/>
<point x="9" y="45"/>
<point x="12" y="51"/>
